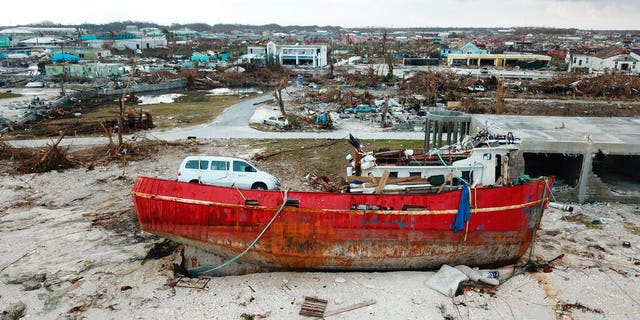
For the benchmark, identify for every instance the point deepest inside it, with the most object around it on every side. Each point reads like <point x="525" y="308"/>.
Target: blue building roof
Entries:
<point x="57" y="57"/>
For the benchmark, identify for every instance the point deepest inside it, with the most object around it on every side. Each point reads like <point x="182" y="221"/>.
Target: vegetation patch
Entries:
<point x="631" y="227"/>
<point x="582" y="219"/>
<point x="8" y="95"/>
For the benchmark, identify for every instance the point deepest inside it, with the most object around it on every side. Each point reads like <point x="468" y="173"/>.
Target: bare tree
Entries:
<point x="278" y="94"/>
<point x="499" y="103"/>
<point x="122" y="109"/>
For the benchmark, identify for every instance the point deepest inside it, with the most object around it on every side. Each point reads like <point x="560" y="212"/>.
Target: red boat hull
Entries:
<point x="324" y="233"/>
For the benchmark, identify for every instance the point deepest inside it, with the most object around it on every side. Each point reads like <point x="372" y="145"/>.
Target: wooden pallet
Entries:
<point x="313" y="307"/>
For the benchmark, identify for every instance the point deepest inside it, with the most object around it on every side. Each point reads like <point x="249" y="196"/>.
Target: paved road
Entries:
<point x="234" y="123"/>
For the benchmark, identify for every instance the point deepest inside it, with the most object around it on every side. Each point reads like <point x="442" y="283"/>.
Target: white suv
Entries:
<point x="224" y="171"/>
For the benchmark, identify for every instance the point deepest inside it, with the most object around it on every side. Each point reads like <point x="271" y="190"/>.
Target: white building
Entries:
<point x="298" y="55"/>
<point x="141" y="43"/>
<point x="608" y="60"/>
<point x="129" y="44"/>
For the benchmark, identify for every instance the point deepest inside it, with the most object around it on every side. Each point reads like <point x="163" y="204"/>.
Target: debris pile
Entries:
<point x="54" y="157"/>
<point x="613" y="86"/>
<point x="39" y="159"/>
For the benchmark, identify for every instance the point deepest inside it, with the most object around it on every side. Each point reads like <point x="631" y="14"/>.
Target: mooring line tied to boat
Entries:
<point x="201" y="271"/>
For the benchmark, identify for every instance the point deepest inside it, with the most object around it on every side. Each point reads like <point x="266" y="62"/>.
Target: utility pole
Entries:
<point x="64" y="69"/>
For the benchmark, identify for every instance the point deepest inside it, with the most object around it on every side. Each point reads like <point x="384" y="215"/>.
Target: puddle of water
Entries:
<point x="235" y="91"/>
<point x="163" y="98"/>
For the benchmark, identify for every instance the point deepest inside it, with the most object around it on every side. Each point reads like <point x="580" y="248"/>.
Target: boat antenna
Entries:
<point x="355" y="142"/>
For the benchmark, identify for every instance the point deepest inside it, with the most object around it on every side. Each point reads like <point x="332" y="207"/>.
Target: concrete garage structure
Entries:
<point x="510" y="60"/>
<point x="595" y="159"/>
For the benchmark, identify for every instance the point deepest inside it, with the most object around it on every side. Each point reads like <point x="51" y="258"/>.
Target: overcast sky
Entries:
<point x="582" y="14"/>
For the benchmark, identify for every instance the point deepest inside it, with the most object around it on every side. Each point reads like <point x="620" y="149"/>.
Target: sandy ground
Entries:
<point x="70" y="248"/>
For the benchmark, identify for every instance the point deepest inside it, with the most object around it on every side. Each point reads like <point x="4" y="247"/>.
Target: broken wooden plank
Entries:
<point x="382" y="183"/>
<point x="349" y="308"/>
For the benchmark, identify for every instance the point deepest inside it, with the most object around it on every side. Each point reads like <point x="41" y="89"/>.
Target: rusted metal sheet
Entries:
<point x="328" y="231"/>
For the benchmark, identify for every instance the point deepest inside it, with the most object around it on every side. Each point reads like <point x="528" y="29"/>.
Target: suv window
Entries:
<point x="220" y="165"/>
<point x="193" y="164"/>
<point x="241" y="166"/>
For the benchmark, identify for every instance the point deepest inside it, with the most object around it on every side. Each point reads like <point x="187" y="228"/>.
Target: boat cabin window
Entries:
<point x="467" y="176"/>
<point x="486" y="156"/>
<point x="197" y="164"/>
<point x="220" y="165"/>
<point x="241" y="166"/>
<point x="393" y="174"/>
<point x="415" y="174"/>
<point x="498" y="166"/>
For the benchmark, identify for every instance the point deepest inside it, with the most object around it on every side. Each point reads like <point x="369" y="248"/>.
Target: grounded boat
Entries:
<point x="480" y="226"/>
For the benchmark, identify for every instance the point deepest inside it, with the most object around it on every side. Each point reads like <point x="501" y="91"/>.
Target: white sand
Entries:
<point x="80" y="269"/>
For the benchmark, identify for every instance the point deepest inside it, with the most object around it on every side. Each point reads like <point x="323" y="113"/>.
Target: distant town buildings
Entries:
<point x="571" y="50"/>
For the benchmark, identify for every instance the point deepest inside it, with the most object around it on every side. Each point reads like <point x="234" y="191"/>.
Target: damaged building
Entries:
<point x="612" y="59"/>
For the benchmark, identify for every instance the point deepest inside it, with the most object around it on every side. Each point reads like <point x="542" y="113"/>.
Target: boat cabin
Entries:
<point x="482" y="166"/>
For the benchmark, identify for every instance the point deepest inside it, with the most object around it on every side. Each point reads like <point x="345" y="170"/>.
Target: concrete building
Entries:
<point x="297" y="55"/>
<point x="82" y="53"/>
<point x="89" y="70"/>
<point x="141" y="43"/>
<point x="594" y="159"/>
<point x="516" y="59"/>
<point x="607" y="60"/>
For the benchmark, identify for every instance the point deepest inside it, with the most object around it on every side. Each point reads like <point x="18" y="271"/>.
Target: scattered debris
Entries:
<point x="313" y="307"/>
<point x="263" y="156"/>
<point x="579" y="306"/>
<point x="194" y="283"/>
<point x="446" y="280"/>
<point x="349" y="308"/>
<point x="160" y="250"/>
<point x="14" y="311"/>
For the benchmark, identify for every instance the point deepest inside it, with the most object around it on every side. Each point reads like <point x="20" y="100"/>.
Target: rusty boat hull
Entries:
<point x="329" y="231"/>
